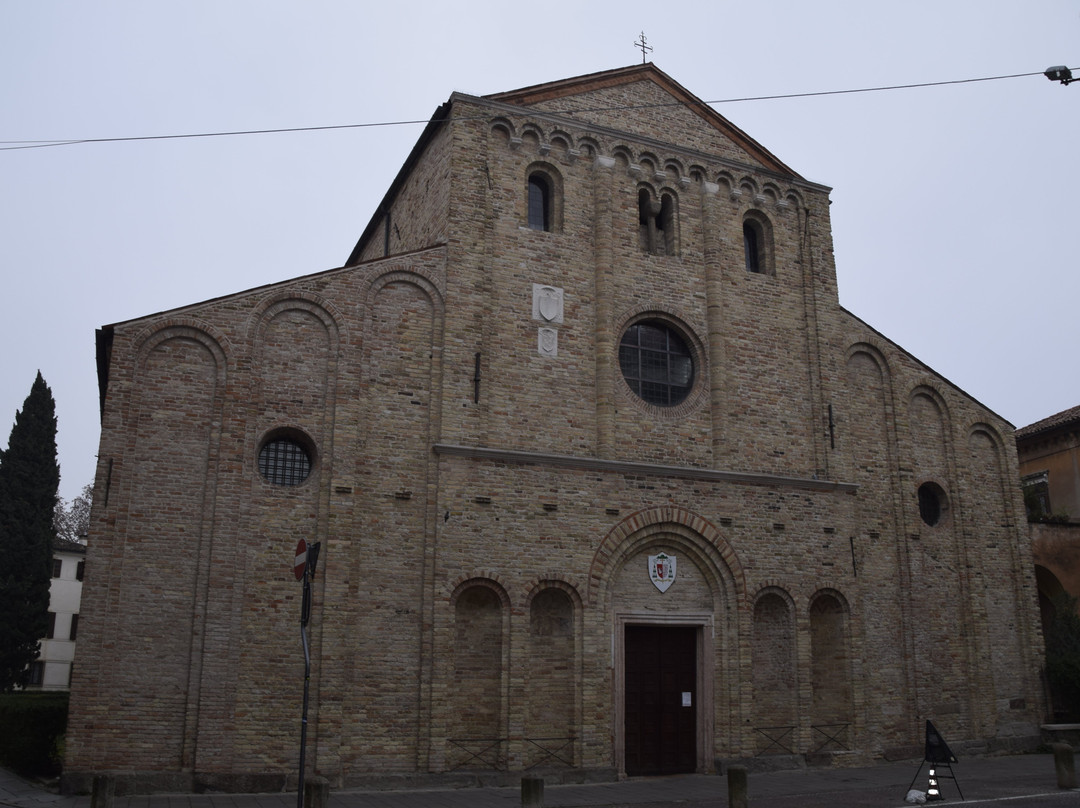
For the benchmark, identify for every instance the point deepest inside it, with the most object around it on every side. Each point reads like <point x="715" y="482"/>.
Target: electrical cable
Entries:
<point x="13" y="145"/>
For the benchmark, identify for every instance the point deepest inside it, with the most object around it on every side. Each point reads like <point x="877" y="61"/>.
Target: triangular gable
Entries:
<point x="544" y="94"/>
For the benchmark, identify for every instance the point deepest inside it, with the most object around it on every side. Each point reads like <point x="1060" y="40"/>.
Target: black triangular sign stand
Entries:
<point x="939" y="756"/>
<point x="937" y="751"/>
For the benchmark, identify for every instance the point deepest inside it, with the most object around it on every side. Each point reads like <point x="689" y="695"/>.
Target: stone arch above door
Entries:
<point x="683" y="533"/>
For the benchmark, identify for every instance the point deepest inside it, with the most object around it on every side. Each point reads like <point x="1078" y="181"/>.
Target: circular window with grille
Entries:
<point x="656" y="362"/>
<point x="285" y="458"/>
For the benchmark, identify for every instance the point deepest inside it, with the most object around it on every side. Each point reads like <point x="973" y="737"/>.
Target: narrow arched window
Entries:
<point x="753" y="246"/>
<point x="656" y="223"/>
<point x="539" y="202"/>
<point x="666" y="241"/>
<point x="646" y="220"/>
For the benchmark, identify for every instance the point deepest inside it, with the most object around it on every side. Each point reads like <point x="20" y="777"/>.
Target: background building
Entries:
<point x="52" y="670"/>
<point x="606" y="482"/>
<point x="1049" y="456"/>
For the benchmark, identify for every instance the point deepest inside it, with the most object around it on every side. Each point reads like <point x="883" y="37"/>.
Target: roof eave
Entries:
<point x="437" y="121"/>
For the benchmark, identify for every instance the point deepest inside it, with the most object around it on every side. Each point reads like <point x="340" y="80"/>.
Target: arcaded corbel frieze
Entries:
<point x="604" y="162"/>
<point x="736" y="194"/>
<point x="572" y="155"/>
<point x="545" y="148"/>
<point x="659" y="176"/>
<point x="634" y="169"/>
<point x="760" y="199"/>
<point x="685" y="181"/>
<point x="710" y="188"/>
<point x="514" y="143"/>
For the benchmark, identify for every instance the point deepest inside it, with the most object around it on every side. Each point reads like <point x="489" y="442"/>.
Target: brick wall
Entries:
<point x="485" y="534"/>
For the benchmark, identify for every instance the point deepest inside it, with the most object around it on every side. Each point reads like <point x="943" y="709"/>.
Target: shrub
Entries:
<point x="31" y="732"/>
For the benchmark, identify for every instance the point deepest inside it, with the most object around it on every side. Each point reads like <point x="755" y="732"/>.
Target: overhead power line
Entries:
<point x="12" y="145"/>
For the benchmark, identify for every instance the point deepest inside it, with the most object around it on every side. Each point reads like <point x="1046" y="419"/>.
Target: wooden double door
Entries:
<point x="661" y="699"/>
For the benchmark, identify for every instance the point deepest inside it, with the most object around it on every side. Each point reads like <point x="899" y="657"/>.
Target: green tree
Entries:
<point x="29" y="477"/>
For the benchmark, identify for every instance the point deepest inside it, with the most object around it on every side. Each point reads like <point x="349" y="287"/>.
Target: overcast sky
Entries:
<point x="955" y="208"/>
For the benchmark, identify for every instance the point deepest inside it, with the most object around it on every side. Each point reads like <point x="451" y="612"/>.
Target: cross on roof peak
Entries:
<point x="642" y="43"/>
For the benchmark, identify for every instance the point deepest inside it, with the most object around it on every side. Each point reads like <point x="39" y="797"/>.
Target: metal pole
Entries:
<point x="305" y="613"/>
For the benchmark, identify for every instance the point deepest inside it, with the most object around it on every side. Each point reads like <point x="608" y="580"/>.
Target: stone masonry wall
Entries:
<point x="847" y="524"/>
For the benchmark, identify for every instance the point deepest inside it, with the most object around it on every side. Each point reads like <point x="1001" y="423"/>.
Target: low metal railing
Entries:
<point x="778" y="737"/>
<point x="486" y="752"/>
<point x="551" y="752"/>
<point x="832" y="734"/>
<point x="489" y="753"/>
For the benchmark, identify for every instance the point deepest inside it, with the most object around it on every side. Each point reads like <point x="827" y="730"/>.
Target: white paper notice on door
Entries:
<point x="686" y="702"/>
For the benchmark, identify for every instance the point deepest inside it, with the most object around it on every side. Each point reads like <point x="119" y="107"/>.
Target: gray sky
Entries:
<point x="955" y="209"/>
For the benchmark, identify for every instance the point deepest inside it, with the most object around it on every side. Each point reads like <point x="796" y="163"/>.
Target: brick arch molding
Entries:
<point x="685" y="527"/>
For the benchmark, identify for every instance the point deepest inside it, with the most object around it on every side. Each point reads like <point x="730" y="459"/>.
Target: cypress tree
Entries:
<point x="29" y="478"/>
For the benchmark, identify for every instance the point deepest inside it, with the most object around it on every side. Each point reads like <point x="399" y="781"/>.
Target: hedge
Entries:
<point x="32" y="731"/>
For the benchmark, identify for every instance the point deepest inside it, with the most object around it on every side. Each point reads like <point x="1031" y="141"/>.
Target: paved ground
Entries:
<point x="1021" y="781"/>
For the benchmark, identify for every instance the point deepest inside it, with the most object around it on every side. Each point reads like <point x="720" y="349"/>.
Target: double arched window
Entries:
<point x="656" y="220"/>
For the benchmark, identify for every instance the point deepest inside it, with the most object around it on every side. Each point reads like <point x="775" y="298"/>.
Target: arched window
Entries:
<point x="666" y="224"/>
<point x="475" y="698"/>
<point x="552" y="693"/>
<point x="656" y="222"/>
<point x="830" y="673"/>
<point x="753" y="245"/>
<point x="540" y="202"/>
<point x="933" y="503"/>
<point x="774" y="679"/>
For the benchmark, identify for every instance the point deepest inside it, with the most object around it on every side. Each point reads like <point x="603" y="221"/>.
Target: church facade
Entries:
<point x="606" y="482"/>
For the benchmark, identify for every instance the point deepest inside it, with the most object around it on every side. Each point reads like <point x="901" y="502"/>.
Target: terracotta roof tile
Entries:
<point x="1053" y="422"/>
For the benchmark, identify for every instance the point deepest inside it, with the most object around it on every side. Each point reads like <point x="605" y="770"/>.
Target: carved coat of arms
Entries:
<point x="550" y="303"/>
<point x="547" y="342"/>
<point x="662" y="570"/>
<point x="547" y="303"/>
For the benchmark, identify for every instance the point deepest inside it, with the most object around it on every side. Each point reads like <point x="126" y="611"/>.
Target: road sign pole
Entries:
<point x="303" y="720"/>
<point x="306" y="569"/>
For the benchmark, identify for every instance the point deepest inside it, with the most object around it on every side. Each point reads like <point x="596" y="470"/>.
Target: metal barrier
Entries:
<point x="487" y="752"/>
<point x="778" y="737"/>
<point x="552" y="752"/>
<point x="832" y="733"/>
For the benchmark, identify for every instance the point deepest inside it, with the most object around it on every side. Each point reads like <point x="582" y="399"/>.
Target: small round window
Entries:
<point x="932" y="503"/>
<point x="656" y="363"/>
<point x="283" y="460"/>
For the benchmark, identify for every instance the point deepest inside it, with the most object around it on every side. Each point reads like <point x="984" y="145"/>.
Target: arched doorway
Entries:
<point x="669" y="640"/>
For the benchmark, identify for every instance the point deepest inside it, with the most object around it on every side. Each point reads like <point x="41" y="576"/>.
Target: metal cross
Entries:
<point x="641" y="43"/>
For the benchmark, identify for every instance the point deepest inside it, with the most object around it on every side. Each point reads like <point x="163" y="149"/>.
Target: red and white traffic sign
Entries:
<point x="300" y="562"/>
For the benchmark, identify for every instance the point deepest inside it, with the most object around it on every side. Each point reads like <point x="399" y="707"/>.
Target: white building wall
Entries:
<point x="65" y="593"/>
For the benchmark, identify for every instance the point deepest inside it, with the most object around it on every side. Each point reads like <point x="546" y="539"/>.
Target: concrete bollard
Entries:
<point x="102" y="790"/>
<point x="736" y="787"/>
<point x="316" y="792"/>
<point x="1064" y="765"/>
<point x="532" y="792"/>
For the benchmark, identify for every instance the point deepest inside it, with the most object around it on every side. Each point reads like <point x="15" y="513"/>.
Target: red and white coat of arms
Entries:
<point x="662" y="570"/>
